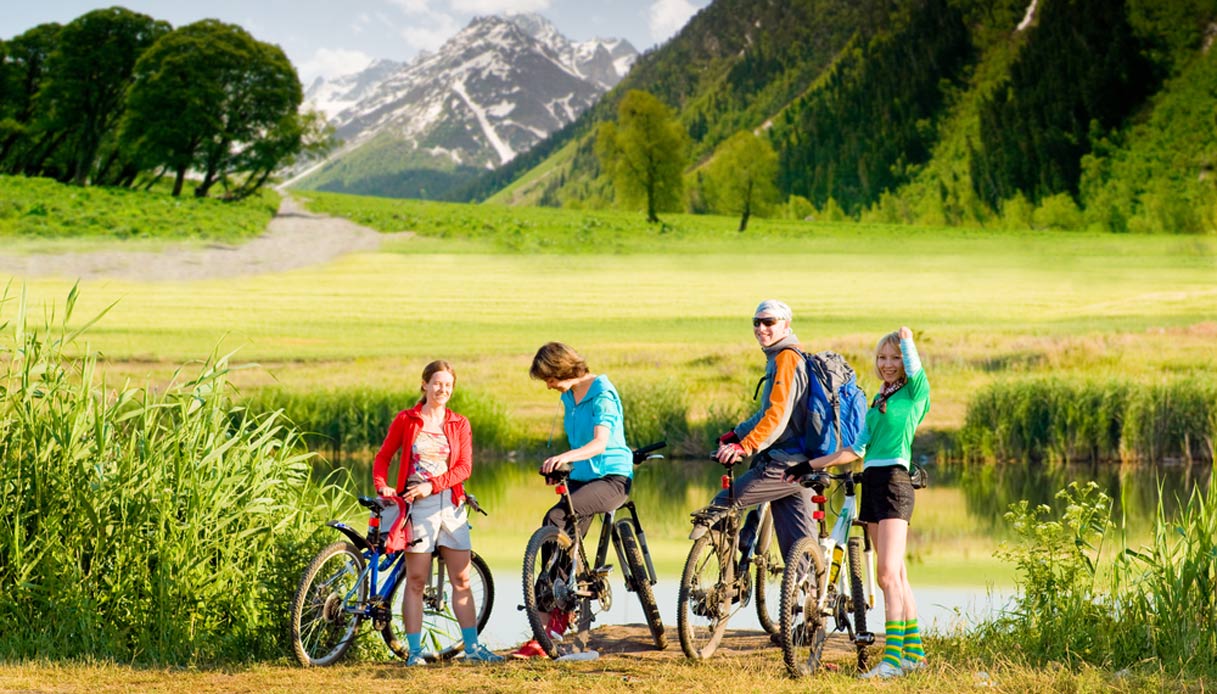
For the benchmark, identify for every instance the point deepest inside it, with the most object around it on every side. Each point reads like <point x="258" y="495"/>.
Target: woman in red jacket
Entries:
<point x="436" y="457"/>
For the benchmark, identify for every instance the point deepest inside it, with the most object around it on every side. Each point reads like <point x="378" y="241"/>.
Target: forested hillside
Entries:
<point x="1055" y="113"/>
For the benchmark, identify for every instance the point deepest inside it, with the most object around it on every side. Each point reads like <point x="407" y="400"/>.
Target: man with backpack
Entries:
<point x="809" y="404"/>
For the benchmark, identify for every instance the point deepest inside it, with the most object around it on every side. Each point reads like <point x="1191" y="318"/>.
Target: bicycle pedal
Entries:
<point x="866" y="638"/>
<point x="602" y="571"/>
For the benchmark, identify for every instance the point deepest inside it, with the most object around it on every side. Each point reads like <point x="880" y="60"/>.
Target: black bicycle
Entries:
<point x="353" y="581"/>
<point x="719" y="580"/>
<point x="557" y="574"/>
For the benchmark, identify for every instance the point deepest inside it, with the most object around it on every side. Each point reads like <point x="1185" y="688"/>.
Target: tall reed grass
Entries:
<point x="139" y="524"/>
<point x="1086" y="600"/>
<point x="1055" y="420"/>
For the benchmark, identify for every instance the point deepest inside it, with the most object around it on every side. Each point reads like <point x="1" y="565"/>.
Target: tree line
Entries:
<point x="117" y="98"/>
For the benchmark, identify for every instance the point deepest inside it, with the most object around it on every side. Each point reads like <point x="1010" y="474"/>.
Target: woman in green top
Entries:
<point x="886" y="507"/>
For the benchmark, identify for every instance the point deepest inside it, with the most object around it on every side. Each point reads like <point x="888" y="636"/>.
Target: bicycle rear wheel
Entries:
<point x="642" y="582"/>
<point x="768" y="563"/>
<point x="440" y="629"/>
<point x="547" y="564"/>
<point x="803" y="626"/>
<point x="857" y="596"/>
<point x="704" y="603"/>
<point x="325" y="610"/>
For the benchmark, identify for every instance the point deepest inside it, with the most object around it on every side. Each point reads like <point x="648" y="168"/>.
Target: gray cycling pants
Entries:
<point x="790" y="504"/>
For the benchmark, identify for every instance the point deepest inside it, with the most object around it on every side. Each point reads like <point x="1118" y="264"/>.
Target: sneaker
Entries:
<point x="883" y="671"/>
<point x="532" y="649"/>
<point x="911" y="665"/>
<point x="477" y="653"/>
<point x="415" y="658"/>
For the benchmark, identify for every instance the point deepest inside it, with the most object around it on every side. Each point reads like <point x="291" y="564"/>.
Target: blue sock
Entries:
<point x="416" y="641"/>
<point x="470" y="635"/>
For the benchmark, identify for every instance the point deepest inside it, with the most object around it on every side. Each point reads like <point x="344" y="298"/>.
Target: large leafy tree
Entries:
<point x="87" y="78"/>
<point x="211" y="98"/>
<point x="741" y="176"/>
<point x="645" y="153"/>
<point x="22" y="71"/>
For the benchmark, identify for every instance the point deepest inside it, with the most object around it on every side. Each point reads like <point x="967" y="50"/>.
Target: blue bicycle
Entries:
<point x="356" y="580"/>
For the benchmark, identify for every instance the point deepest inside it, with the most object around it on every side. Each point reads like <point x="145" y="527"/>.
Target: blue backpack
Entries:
<point x="836" y="405"/>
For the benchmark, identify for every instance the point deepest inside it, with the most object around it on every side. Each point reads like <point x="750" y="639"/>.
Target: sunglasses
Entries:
<point x="767" y="321"/>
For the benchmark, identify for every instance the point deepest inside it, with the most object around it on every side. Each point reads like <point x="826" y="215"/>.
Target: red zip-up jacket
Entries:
<point x="402" y="432"/>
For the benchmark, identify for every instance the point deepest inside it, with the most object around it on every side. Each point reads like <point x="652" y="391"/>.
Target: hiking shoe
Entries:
<point x="883" y="671"/>
<point x="911" y="665"/>
<point x="532" y="649"/>
<point x="415" y="658"/>
<point x="477" y="653"/>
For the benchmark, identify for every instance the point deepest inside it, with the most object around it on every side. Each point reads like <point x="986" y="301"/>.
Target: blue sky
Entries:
<point x="323" y="37"/>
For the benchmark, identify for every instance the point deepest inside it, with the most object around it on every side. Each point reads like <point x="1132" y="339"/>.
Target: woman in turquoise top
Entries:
<point x="602" y="465"/>
<point x="887" y="491"/>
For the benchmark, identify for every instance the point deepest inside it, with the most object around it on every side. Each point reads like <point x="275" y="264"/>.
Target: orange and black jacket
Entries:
<point x="778" y="425"/>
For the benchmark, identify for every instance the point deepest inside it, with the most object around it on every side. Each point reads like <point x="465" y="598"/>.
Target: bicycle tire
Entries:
<point x="641" y="580"/>
<point x="767" y="561"/>
<point x="538" y="581"/>
<point x="803" y="626"/>
<point x="857" y="597"/>
<point x="323" y="622"/>
<point x="704" y="606"/>
<point x="441" y="631"/>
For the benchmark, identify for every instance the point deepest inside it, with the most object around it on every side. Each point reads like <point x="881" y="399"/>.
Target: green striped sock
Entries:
<point x="912" y="642"/>
<point x="893" y="643"/>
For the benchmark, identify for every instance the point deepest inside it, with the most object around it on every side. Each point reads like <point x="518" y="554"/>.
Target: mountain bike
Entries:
<point x="829" y="577"/>
<point x="714" y="585"/>
<point x="558" y="576"/>
<point x="356" y="580"/>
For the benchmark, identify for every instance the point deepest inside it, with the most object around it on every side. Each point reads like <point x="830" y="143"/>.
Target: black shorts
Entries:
<point x="887" y="492"/>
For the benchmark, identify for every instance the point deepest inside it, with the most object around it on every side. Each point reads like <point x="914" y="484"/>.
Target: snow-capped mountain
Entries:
<point x="334" y="96"/>
<point x="497" y="88"/>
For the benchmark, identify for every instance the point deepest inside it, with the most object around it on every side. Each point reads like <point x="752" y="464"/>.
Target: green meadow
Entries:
<point x="651" y="304"/>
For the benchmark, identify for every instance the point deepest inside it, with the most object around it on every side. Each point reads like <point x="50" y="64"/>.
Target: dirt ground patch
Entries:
<point x="294" y="238"/>
<point x="634" y="641"/>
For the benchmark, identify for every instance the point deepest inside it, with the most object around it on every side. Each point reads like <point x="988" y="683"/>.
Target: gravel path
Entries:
<point x="294" y="238"/>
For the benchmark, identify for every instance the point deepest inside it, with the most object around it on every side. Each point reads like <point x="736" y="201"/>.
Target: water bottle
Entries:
<point x="837" y="551"/>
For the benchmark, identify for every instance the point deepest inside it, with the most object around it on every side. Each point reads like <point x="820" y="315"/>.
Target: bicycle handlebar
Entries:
<point x="640" y="454"/>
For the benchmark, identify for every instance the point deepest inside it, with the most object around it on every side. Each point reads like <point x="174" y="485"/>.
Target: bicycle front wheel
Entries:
<point x="768" y="563"/>
<point x="327" y="607"/>
<point x="547" y="566"/>
<point x="802" y="624"/>
<point x="441" y="631"/>
<point x="704" y="602"/>
<point x="642" y="582"/>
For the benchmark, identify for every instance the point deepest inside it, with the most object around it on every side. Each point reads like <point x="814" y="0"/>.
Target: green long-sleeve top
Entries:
<point x="888" y="436"/>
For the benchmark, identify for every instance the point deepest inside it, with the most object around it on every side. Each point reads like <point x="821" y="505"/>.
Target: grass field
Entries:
<point x="986" y="305"/>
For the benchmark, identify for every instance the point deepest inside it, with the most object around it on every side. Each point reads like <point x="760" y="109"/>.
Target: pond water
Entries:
<point x="957" y="527"/>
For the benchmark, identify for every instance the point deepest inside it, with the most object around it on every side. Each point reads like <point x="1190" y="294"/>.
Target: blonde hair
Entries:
<point x="430" y="370"/>
<point x="892" y="339"/>
<point x="557" y="361"/>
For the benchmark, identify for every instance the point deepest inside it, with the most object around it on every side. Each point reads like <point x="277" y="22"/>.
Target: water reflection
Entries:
<point x="666" y="491"/>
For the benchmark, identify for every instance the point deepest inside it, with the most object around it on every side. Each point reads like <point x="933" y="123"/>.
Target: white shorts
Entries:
<point x="436" y="522"/>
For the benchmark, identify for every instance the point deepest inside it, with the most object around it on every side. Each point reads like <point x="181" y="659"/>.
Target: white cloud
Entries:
<point x="429" y="38"/>
<point x="484" y="7"/>
<point x="668" y="16"/>
<point x="333" y="62"/>
<point x="413" y="6"/>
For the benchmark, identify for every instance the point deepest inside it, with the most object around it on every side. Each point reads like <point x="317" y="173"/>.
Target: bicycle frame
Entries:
<point x="834" y="543"/>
